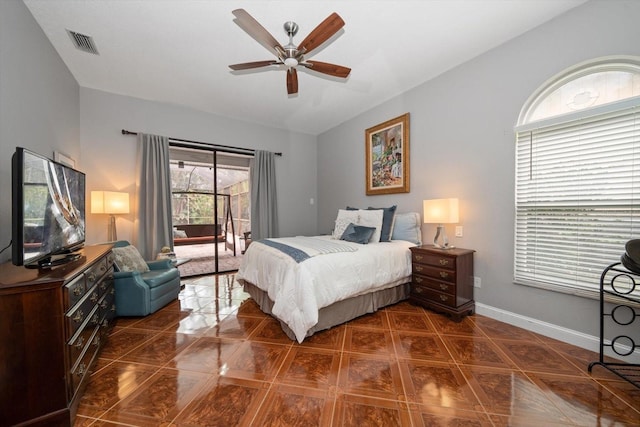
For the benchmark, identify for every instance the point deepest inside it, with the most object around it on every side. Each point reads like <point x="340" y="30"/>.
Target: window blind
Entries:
<point x="577" y="196"/>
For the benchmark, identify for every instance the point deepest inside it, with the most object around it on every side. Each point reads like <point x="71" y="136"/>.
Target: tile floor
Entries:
<point x="213" y="359"/>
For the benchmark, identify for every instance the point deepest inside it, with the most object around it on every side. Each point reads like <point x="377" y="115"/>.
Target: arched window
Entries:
<point x="578" y="175"/>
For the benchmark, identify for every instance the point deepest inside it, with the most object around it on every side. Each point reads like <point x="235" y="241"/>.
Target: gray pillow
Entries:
<point x="358" y="234"/>
<point x="127" y="258"/>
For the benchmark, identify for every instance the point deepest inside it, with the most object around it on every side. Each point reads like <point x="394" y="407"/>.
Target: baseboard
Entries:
<point x="550" y="330"/>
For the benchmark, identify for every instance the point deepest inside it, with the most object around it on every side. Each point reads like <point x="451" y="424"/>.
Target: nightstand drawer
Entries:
<point x="435" y="272"/>
<point x="423" y="292"/>
<point x="447" y="288"/>
<point x="441" y="261"/>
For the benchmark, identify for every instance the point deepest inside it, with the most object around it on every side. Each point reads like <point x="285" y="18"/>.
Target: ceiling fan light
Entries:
<point x="291" y="62"/>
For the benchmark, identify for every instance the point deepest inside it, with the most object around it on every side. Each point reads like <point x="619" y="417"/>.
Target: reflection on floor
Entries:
<point x="213" y="358"/>
<point x="203" y="259"/>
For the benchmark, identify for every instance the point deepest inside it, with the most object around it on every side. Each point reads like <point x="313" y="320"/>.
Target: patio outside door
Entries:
<point x="210" y="209"/>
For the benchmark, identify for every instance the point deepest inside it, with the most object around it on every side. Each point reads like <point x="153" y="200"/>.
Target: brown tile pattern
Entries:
<point x="213" y="358"/>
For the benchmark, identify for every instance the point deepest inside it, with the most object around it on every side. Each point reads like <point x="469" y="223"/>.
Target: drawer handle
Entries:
<point x="80" y="343"/>
<point x="77" y="291"/>
<point x="444" y="287"/>
<point x="96" y="341"/>
<point x="91" y="277"/>
<point x="81" y="369"/>
<point x="418" y="257"/>
<point x="419" y="290"/>
<point x="444" y="262"/>
<point x="444" y="274"/>
<point x="419" y="279"/>
<point x="103" y="304"/>
<point x="418" y="268"/>
<point x="95" y="319"/>
<point x="79" y="316"/>
<point x="113" y="308"/>
<point x="103" y="268"/>
<point x="443" y="298"/>
<point x="94" y="297"/>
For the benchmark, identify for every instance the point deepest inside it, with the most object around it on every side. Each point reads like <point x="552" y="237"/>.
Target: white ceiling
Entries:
<point x="178" y="51"/>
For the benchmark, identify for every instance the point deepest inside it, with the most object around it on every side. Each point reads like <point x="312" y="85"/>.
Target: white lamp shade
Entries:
<point x="109" y="202"/>
<point x="440" y="211"/>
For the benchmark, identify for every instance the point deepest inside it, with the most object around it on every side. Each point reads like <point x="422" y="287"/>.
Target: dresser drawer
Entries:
<point x="73" y="291"/>
<point x="107" y="307"/>
<point x="79" y="313"/>
<point x="441" y="261"/>
<point x="96" y="271"/>
<point x="80" y="370"/>
<point x="435" y="272"/>
<point x="107" y="282"/>
<point x="79" y="342"/>
<point x="426" y="282"/>
<point x="425" y="293"/>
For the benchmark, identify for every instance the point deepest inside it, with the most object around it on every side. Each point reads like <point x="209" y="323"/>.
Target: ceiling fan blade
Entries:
<point x="292" y="81"/>
<point x="249" y="65"/>
<point x="257" y="31"/>
<point x="321" y="33"/>
<point x="326" y="68"/>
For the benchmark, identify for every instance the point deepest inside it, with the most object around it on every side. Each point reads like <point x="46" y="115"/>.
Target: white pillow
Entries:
<point x="345" y="217"/>
<point x="371" y="218"/>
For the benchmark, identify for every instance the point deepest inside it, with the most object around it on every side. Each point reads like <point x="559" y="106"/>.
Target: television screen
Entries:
<point x="48" y="209"/>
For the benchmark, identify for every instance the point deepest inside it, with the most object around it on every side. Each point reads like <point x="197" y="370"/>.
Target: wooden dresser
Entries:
<point x="53" y="323"/>
<point x="442" y="280"/>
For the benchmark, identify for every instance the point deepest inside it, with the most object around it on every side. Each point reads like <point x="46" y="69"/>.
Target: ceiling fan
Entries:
<point x="291" y="55"/>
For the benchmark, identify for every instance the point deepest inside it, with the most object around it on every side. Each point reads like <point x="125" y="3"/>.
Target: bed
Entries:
<point x="311" y="283"/>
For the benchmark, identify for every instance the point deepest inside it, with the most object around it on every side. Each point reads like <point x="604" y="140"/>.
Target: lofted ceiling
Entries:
<point x="178" y="51"/>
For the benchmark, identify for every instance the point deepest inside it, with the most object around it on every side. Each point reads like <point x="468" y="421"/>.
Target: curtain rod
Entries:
<point x="223" y="148"/>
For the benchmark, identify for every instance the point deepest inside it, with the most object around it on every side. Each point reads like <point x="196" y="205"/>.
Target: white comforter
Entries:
<point x="299" y="290"/>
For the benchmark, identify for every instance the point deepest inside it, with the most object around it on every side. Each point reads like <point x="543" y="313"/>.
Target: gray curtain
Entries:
<point x="264" y="209"/>
<point x="153" y="185"/>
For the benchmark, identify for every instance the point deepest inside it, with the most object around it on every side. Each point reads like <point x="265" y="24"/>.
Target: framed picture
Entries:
<point x="387" y="157"/>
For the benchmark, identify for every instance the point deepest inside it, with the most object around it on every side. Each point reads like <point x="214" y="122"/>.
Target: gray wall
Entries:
<point x="462" y="145"/>
<point x="39" y="100"/>
<point x="110" y="156"/>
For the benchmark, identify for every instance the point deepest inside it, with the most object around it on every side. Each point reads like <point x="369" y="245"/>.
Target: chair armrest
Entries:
<point x="160" y="264"/>
<point x="132" y="294"/>
<point x="125" y="274"/>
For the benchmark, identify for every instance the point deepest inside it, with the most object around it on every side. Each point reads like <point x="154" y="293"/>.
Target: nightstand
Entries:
<point x="442" y="280"/>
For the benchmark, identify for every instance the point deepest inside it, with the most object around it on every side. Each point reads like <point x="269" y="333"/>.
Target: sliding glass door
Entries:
<point x="211" y="209"/>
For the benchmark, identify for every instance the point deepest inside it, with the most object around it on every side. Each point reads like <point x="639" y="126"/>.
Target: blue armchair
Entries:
<point x="142" y="293"/>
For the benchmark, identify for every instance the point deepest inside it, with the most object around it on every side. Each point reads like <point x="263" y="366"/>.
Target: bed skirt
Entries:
<point x="338" y="312"/>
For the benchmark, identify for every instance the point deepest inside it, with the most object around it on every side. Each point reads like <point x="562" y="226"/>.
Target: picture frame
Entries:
<point x="387" y="157"/>
<point x="64" y="159"/>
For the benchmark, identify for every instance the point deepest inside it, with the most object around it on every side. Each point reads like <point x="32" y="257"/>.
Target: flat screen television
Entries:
<point x="48" y="207"/>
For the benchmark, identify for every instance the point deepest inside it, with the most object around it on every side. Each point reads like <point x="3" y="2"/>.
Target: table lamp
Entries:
<point x="441" y="211"/>
<point x="110" y="202"/>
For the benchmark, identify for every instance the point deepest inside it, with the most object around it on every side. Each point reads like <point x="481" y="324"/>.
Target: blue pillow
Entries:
<point x="358" y="234"/>
<point x="388" y="217"/>
<point x="407" y="227"/>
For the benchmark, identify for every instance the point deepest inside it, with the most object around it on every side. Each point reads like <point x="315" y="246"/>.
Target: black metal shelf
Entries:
<point x="624" y="286"/>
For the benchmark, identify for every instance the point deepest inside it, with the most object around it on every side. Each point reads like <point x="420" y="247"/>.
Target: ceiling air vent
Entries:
<point x="83" y="42"/>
